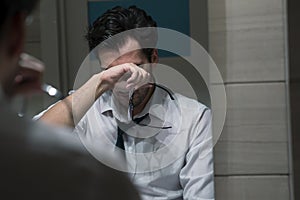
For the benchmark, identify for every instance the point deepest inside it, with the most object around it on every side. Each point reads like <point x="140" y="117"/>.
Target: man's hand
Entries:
<point x="29" y="76"/>
<point x="124" y="77"/>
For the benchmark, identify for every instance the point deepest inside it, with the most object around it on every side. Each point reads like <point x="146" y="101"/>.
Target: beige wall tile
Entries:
<point x="256" y="113"/>
<point x="246" y="39"/>
<point x="252" y="188"/>
<point x="254" y="139"/>
<point x="232" y="158"/>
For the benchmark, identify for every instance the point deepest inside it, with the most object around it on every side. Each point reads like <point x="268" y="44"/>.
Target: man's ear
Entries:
<point x="16" y="35"/>
<point x="154" y="57"/>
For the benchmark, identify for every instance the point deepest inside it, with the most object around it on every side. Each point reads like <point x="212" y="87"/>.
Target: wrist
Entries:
<point x="101" y="86"/>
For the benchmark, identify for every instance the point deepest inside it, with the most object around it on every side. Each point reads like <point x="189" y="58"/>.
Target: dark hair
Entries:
<point x="119" y="19"/>
<point x="9" y="8"/>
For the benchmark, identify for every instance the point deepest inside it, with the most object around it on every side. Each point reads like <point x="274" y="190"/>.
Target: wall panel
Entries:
<point x="252" y="188"/>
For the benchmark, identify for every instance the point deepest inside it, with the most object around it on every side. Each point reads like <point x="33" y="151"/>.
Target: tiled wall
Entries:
<point x="247" y="42"/>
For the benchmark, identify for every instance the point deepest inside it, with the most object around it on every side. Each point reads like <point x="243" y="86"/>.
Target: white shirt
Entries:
<point x="174" y="163"/>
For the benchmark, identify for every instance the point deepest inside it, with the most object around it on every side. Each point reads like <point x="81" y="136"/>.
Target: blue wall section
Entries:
<point x="172" y="14"/>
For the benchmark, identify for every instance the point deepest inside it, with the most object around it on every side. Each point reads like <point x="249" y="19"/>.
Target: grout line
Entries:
<point x="252" y="175"/>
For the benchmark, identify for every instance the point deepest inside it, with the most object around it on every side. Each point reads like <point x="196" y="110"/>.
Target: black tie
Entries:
<point x="120" y="140"/>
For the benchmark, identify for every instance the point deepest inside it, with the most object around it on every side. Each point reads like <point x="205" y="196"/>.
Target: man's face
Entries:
<point x="126" y="54"/>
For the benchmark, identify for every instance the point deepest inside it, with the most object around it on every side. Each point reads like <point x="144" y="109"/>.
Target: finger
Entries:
<point x="144" y="79"/>
<point x="134" y="73"/>
<point x="30" y="62"/>
<point x="125" y="76"/>
<point x="139" y="82"/>
<point x="28" y="75"/>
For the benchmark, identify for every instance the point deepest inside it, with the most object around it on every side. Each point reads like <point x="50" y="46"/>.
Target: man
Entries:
<point x="123" y="105"/>
<point x="39" y="162"/>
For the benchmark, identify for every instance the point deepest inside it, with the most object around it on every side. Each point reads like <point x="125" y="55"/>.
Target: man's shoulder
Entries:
<point x="190" y="104"/>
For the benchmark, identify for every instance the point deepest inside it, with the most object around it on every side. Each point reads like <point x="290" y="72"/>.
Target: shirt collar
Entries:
<point x="157" y="98"/>
<point x="105" y="102"/>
